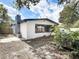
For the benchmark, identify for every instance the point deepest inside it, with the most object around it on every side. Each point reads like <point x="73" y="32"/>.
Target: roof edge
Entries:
<point x="25" y="20"/>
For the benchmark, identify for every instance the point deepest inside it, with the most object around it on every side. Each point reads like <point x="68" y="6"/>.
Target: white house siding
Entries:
<point x="74" y="29"/>
<point x="13" y="29"/>
<point x="23" y="29"/>
<point x="31" y="28"/>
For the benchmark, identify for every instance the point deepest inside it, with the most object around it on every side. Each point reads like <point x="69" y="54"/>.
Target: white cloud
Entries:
<point x="11" y="11"/>
<point x="43" y="7"/>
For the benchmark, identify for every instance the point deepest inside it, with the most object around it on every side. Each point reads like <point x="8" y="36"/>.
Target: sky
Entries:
<point x="43" y="9"/>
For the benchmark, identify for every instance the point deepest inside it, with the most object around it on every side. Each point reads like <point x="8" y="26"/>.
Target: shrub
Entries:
<point x="5" y="28"/>
<point x="68" y="41"/>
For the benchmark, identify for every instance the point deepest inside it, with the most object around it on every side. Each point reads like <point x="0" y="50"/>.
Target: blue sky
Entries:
<point x="41" y="10"/>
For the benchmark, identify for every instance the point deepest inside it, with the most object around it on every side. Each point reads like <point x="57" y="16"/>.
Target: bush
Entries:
<point x="5" y="28"/>
<point x="68" y="41"/>
<point x="75" y="55"/>
<point x="64" y="40"/>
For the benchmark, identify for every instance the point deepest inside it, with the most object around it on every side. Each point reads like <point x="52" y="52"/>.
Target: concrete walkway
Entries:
<point x="9" y="39"/>
<point x="14" y="48"/>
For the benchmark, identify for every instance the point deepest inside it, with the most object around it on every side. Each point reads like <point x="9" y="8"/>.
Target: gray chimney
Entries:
<point x="18" y="19"/>
<point x="17" y="27"/>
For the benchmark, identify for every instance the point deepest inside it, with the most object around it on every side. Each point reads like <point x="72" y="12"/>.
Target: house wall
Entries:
<point x="31" y="28"/>
<point x="13" y="29"/>
<point x="74" y="29"/>
<point x="23" y="29"/>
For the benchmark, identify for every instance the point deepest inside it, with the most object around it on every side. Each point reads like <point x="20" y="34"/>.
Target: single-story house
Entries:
<point x="34" y="28"/>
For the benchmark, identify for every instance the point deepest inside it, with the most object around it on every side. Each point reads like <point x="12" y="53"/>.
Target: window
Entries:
<point x="39" y="28"/>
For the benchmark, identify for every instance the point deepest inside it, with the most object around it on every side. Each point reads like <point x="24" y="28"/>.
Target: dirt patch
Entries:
<point x="47" y="49"/>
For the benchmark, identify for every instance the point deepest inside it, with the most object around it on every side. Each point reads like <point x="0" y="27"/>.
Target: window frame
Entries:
<point x="45" y="30"/>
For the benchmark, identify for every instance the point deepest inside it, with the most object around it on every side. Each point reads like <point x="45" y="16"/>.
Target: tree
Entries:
<point x="20" y="3"/>
<point x="70" y="15"/>
<point x="3" y="12"/>
<point x="5" y="23"/>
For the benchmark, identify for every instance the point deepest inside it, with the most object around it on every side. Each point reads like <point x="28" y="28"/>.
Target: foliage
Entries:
<point x="75" y="55"/>
<point x="20" y="3"/>
<point x="3" y="12"/>
<point x="76" y="24"/>
<point x="68" y="1"/>
<point x="5" y="22"/>
<point x="64" y="39"/>
<point x="61" y="1"/>
<point x="5" y="28"/>
<point x="69" y="16"/>
<point x="67" y="40"/>
<point x="57" y="33"/>
<point x="27" y="3"/>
